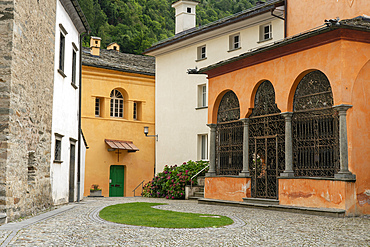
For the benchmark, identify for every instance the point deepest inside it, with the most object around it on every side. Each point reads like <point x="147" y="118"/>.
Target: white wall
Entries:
<point x="178" y="122"/>
<point x="82" y="169"/>
<point x="65" y="109"/>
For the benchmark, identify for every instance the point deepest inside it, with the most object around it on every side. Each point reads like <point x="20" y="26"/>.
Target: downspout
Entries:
<point x="284" y="19"/>
<point x="79" y="122"/>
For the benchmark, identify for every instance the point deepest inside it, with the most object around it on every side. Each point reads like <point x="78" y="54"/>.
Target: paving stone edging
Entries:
<point x="16" y="226"/>
<point x="94" y="216"/>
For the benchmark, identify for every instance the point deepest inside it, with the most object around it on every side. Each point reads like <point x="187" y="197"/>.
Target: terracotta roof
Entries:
<point x="361" y="23"/>
<point x="245" y="14"/>
<point x="122" y="145"/>
<point x="111" y="59"/>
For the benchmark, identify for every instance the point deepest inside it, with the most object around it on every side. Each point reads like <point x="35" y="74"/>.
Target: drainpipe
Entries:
<point x="79" y="122"/>
<point x="284" y="19"/>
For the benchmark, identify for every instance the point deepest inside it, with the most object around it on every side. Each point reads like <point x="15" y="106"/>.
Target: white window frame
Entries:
<point x="58" y="148"/>
<point x="116" y="104"/>
<point x="203" y="146"/>
<point x="234" y="45"/>
<point x="201" y="52"/>
<point x="202" y="96"/>
<point x="263" y="32"/>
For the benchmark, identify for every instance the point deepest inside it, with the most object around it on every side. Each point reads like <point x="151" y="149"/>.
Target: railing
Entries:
<point x="191" y="179"/>
<point x="142" y="187"/>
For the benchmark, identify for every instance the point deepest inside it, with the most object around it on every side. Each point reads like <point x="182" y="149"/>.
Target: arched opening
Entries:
<point x="229" y="136"/>
<point x="266" y="143"/>
<point x="315" y="128"/>
<point x="116" y="103"/>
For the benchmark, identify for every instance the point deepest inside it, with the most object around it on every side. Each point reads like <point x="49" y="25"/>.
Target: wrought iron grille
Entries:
<point x="315" y="127"/>
<point x="313" y="92"/>
<point x="229" y="109"/>
<point x="229" y="136"/>
<point x="229" y="139"/>
<point x="266" y="143"/>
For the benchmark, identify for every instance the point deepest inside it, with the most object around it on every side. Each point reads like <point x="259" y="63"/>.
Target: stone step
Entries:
<point x="194" y="198"/>
<point x="331" y="212"/>
<point x="3" y="219"/>
<point x="263" y="201"/>
<point x="199" y="194"/>
<point x="201" y="181"/>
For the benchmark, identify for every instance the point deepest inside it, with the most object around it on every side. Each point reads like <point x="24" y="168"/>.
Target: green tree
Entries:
<point x="136" y="24"/>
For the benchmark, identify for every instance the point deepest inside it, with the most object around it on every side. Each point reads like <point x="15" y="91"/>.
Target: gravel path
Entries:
<point x="79" y="225"/>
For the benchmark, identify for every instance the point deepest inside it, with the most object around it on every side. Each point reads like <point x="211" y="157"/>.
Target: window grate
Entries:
<point x="58" y="150"/>
<point x="315" y="126"/>
<point x="229" y="136"/>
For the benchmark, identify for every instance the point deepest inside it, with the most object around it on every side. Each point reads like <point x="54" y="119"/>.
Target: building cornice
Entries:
<point x="319" y="37"/>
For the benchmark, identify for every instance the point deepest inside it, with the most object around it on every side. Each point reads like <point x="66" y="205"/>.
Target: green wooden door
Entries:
<point x="116" y="181"/>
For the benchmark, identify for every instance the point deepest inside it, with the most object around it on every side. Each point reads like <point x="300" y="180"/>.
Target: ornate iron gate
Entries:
<point x="315" y="128"/>
<point x="266" y="143"/>
<point x="229" y="136"/>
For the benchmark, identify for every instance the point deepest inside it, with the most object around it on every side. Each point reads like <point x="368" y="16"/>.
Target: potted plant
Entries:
<point x="95" y="191"/>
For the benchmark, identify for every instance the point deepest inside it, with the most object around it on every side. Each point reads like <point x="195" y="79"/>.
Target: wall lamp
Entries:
<point x="146" y="131"/>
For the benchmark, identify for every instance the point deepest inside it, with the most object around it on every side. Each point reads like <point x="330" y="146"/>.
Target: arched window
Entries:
<point x="266" y="143"/>
<point x="229" y="136"/>
<point x="116" y="103"/>
<point x="315" y="128"/>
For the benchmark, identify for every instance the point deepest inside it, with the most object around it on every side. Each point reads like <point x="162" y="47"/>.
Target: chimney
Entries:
<point x="95" y="46"/>
<point x="113" y="46"/>
<point x="184" y="14"/>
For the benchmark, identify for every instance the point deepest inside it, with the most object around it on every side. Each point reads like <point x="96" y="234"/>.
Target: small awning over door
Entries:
<point x="122" y="145"/>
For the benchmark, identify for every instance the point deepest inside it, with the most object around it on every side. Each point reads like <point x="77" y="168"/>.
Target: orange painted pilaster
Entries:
<point x="317" y="193"/>
<point x="227" y="188"/>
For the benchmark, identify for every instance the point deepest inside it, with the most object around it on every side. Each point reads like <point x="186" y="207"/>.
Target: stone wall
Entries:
<point x="6" y="34"/>
<point x="29" y="90"/>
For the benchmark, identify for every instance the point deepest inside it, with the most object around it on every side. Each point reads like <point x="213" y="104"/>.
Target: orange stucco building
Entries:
<point x="117" y="103"/>
<point x="290" y="121"/>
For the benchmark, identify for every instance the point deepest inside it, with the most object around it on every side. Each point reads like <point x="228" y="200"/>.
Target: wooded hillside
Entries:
<point x="136" y="24"/>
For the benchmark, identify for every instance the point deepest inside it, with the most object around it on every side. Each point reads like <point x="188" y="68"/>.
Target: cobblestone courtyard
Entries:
<point x="79" y="225"/>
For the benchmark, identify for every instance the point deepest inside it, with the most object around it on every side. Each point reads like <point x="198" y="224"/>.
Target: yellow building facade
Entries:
<point x="117" y="103"/>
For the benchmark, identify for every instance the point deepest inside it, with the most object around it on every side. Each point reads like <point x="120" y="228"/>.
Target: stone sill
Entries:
<point x="235" y="49"/>
<point x="74" y="85"/>
<point x="331" y="212"/>
<point x="201" y="59"/>
<point x="320" y="178"/>
<point x="201" y="107"/>
<point x="62" y="73"/>
<point x="227" y="176"/>
<point x="264" y="40"/>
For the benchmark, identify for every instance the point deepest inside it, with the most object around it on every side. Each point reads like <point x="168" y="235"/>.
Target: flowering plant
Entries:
<point x="171" y="182"/>
<point x="95" y="187"/>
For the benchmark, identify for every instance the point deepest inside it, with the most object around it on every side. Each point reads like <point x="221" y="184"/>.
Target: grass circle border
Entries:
<point x="94" y="216"/>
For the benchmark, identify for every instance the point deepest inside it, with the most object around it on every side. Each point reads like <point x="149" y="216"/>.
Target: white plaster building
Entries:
<point x="181" y="99"/>
<point x="66" y="171"/>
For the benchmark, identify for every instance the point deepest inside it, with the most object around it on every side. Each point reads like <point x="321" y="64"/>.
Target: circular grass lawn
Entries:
<point x="142" y="214"/>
